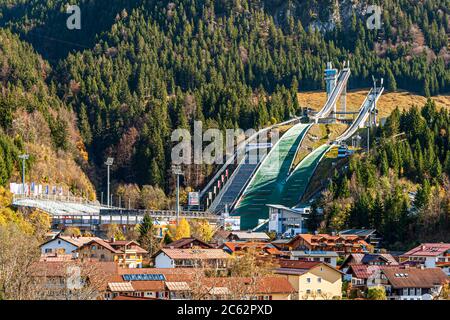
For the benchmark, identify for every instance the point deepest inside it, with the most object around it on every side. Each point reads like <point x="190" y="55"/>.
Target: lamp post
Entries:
<point x="108" y="163"/>
<point x="23" y="157"/>
<point x="176" y="170"/>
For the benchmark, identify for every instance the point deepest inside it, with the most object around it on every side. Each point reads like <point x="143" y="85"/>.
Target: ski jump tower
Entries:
<point x="331" y="80"/>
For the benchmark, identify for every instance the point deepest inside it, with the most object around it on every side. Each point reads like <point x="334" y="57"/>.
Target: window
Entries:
<point x="319" y="291"/>
<point x="48" y="250"/>
<point x="319" y="280"/>
<point x="308" y="291"/>
<point x="59" y="241"/>
<point x="93" y="248"/>
<point x="308" y="280"/>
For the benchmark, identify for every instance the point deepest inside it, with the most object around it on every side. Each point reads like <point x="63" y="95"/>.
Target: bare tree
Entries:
<point x="72" y="280"/>
<point x="19" y="251"/>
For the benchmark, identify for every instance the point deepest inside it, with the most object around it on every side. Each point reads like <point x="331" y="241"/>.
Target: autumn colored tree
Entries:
<point x="376" y="293"/>
<point x="183" y="230"/>
<point x="202" y="230"/>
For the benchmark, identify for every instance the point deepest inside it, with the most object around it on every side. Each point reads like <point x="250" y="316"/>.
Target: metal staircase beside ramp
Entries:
<point x="234" y="186"/>
<point x="240" y="150"/>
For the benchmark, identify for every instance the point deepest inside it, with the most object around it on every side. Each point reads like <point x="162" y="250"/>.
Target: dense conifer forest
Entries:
<point x="401" y="188"/>
<point x="138" y="69"/>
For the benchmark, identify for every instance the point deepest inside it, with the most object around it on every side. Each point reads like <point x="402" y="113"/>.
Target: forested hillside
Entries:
<point x="34" y="120"/>
<point x="410" y="156"/>
<point x="138" y="69"/>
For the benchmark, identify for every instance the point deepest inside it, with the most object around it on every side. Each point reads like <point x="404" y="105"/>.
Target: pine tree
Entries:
<point x="423" y="194"/>
<point x="391" y="83"/>
<point x="147" y="235"/>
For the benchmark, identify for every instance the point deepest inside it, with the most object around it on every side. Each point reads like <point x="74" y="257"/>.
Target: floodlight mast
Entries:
<point x="176" y="170"/>
<point x="23" y="157"/>
<point x="109" y="162"/>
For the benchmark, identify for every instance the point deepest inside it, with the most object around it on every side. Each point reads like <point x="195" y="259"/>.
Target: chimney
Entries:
<point x="113" y="239"/>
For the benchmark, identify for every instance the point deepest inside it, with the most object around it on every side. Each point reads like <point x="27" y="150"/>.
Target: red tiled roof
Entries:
<point x="132" y="298"/>
<point x="443" y="264"/>
<point x="195" y="253"/>
<point x="76" y="241"/>
<point x="274" y="251"/>
<point x="363" y="271"/>
<point x="122" y="271"/>
<point x="234" y="246"/>
<point x="222" y="234"/>
<point x="299" y="267"/>
<point x="114" y="247"/>
<point x="186" y="241"/>
<point x="264" y="285"/>
<point x="315" y="239"/>
<point x="155" y="286"/>
<point x="298" y="264"/>
<point x="429" y="250"/>
<point x="52" y="257"/>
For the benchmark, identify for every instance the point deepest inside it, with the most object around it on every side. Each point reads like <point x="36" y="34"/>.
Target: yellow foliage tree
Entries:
<point x="72" y="231"/>
<point x="41" y="222"/>
<point x="8" y="215"/>
<point x="183" y="230"/>
<point x="202" y="230"/>
<point x="115" y="232"/>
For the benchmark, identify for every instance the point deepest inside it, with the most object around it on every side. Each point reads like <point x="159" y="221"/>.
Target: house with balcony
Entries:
<point x="125" y="253"/>
<point x="370" y="259"/>
<point x="342" y="245"/>
<point x="269" y="287"/>
<point x="429" y="255"/>
<point x="149" y="283"/>
<point x="188" y="243"/>
<point x="371" y="236"/>
<point x="312" y="279"/>
<point x="186" y="284"/>
<point x="64" y="244"/>
<point x="329" y="257"/>
<point x="407" y="283"/>
<point x="262" y="249"/>
<point x="191" y="258"/>
<point x="248" y="236"/>
<point x="363" y="276"/>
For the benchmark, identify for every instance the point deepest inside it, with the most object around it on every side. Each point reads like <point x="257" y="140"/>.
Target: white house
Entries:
<point x="412" y="283"/>
<point x="287" y="222"/>
<point x="191" y="258"/>
<point x="329" y="257"/>
<point x="64" y="244"/>
<point x="429" y="255"/>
